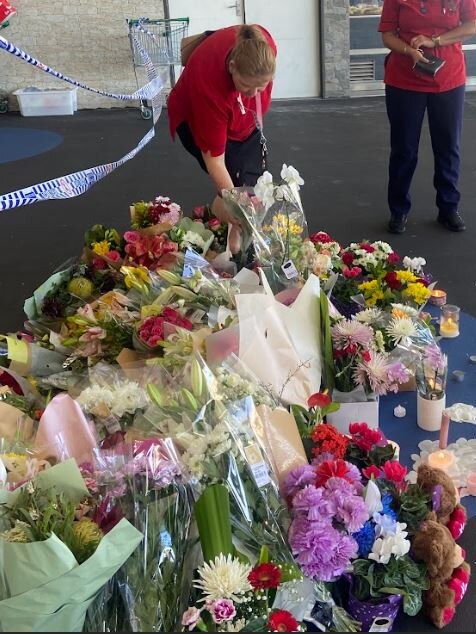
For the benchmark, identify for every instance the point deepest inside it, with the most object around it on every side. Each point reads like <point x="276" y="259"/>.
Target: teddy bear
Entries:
<point x="447" y="571"/>
<point x="444" y="498"/>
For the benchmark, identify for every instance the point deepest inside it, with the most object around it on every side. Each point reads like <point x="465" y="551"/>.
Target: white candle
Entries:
<point x="442" y="459"/>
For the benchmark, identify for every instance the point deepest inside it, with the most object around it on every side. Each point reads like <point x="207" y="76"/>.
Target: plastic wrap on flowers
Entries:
<point x="153" y="580"/>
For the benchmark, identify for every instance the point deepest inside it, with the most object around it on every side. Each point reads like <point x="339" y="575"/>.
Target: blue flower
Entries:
<point x="387" y="500"/>
<point x="365" y="538"/>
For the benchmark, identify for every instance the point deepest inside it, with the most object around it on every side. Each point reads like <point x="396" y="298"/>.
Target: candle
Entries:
<point x="437" y="297"/>
<point x="471" y="483"/>
<point x="445" y="425"/>
<point x="449" y="321"/>
<point x="442" y="459"/>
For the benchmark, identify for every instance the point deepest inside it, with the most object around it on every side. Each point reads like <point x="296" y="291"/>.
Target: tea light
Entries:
<point x="442" y="459"/>
<point x="458" y="375"/>
<point x="399" y="411"/>
<point x="437" y="297"/>
<point x="449" y="321"/>
<point x="471" y="483"/>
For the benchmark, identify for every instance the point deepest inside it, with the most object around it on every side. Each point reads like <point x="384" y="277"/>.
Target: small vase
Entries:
<point x="429" y="412"/>
<point x="368" y="612"/>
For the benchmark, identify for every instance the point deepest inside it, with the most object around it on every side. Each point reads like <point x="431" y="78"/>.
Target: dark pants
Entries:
<point x="243" y="159"/>
<point x="405" y="110"/>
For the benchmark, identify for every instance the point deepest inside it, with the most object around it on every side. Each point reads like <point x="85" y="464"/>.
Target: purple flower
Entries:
<point x="322" y="457"/>
<point x="434" y="358"/>
<point x="310" y="502"/>
<point x="352" y="512"/>
<point x="190" y="618"/>
<point x="222" y="610"/>
<point x="322" y="551"/>
<point x="297" y="479"/>
<point x="398" y="373"/>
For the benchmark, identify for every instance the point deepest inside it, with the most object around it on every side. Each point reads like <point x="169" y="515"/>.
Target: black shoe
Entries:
<point x="452" y="222"/>
<point x="397" y="223"/>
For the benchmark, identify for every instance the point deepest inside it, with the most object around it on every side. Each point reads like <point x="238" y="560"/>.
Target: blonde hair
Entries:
<point x="252" y="54"/>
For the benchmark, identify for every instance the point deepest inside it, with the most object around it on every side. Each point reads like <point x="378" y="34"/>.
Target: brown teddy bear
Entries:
<point x="445" y="498"/>
<point x="448" y="573"/>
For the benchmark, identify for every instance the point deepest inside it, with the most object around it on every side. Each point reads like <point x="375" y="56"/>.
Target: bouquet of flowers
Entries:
<point x="155" y="217"/>
<point x="211" y="222"/>
<point x="320" y="255"/>
<point x="359" y="367"/>
<point x="103" y="246"/>
<point x="371" y="276"/>
<point x="190" y="233"/>
<point x="54" y="556"/>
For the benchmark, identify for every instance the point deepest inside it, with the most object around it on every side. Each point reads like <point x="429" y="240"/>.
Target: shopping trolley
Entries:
<point x="161" y="40"/>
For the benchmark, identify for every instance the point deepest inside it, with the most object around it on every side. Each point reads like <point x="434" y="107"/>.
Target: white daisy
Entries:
<point x="401" y="327"/>
<point x="223" y="578"/>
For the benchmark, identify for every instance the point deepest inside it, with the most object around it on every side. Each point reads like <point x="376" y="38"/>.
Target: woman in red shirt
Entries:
<point x="217" y="104"/>
<point x="412" y="30"/>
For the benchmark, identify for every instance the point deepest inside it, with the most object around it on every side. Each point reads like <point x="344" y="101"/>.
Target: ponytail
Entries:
<point x="252" y="54"/>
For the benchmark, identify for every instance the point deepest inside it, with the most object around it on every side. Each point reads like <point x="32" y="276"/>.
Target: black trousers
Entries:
<point x="243" y="159"/>
<point x="405" y="110"/>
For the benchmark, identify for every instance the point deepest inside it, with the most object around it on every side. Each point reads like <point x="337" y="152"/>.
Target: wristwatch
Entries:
<point x="436" y="40"/>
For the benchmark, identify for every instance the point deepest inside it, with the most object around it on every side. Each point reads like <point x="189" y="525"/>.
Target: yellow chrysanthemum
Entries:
<point x="284" y="225"/>
<point x="87" y="536"/>
<point x="101" y="248"/>
<point x="417" y="292"/>
<point x="406" y="276"/>
<point x="369" y="287"/>
<point x="376" y="296"/>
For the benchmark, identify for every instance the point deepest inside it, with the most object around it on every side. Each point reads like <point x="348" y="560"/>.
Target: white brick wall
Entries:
<point x="86" y="40"/>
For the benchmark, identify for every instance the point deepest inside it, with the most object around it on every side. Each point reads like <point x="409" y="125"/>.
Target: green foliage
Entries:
<point x="413" y="507"/>
<point x="326" y="341"/>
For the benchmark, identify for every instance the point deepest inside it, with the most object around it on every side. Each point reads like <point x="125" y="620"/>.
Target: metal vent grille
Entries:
<point x="362" y="71"/>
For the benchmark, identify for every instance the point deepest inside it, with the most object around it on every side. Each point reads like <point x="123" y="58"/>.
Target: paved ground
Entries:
<point x="340" y="148"/>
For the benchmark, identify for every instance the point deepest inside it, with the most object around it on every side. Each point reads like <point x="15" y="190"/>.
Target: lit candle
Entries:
<point x="471" y="483"/>
<point x="442" y="459"/>
<point x="445" y="425"/>
<point x="437" y="297"/>
<point x="449" y="321"/>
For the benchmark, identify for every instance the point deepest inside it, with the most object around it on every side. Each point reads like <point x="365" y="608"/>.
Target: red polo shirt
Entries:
<point x="206" y="98"/>
<point x="406" y="18"/>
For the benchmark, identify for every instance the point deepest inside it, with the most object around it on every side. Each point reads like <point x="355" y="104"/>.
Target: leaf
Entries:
<point x="212" y="512"/>
<point x="290" y="572"/>
<point x="328" y="358"/>
<point x="256" y="625"/>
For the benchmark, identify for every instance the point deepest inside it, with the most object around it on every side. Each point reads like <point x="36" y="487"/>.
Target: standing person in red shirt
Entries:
<point x="412" y="30"/>
<point x="217" y="105"/>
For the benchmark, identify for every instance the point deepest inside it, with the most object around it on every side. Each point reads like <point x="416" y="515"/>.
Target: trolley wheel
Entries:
<point x="3" y="107"/>
<point x="146" y="113"/>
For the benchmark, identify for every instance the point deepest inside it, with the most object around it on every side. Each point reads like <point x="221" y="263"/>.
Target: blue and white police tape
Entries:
<point x="78" y="183"/>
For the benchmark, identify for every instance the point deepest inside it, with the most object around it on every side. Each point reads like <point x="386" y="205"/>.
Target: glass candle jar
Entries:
<point x="449" y="321"/>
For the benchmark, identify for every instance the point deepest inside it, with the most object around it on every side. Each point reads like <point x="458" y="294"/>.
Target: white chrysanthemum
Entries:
<point x="366" y="260"/>
<point x="91" y="396"/>
<point x="368" y="315"/>
<point x="384" y="247"/>
<point x="347" y="332"/>
<point x="405" y="310"/>
<point x="223" y="578"/>
<point x="128" y="397"/>
<point x="234" y="626"/>
<point x="401" y="327"/>
<point x="192" y="238"/>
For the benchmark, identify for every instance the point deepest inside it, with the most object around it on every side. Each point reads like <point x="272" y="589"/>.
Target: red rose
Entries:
<point x="394" y="471"/>
<point x="355" y="271"/>
<point x="99" y="264"/>
<point x="320" y="236"/>
<point x="214" y="224"/>
<point x="366" y="356"/>
<point x="199" y="212"/>
<point x="350" y="349"/>
<point x="370" y="472"/>
<point x="367" y="247"/>
<point x="115" y="256"/>
<point x="265" y="576"/>
<point x="319" y="399"/>
<point x="392" y="281"/>
<point x="393" y="258"/>
<point x="282" y="621"/>
<point x="347" y="258"/>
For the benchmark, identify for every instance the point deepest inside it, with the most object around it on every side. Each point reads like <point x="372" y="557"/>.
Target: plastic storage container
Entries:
<point x="36" y="102"/>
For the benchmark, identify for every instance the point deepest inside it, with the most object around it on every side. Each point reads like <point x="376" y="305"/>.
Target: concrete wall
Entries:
<point x="84" y="39"/>
<point x="335" y="48"/>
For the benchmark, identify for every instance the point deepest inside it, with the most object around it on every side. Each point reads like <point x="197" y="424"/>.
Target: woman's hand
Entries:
<point x="416" y="55"/>
<point x="422" y="41"/>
